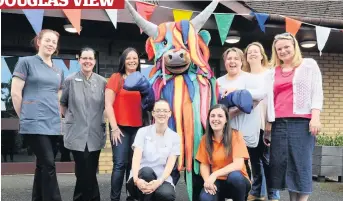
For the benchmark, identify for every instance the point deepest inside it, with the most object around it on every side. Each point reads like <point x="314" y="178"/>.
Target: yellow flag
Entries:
<point x="182" y="15"/>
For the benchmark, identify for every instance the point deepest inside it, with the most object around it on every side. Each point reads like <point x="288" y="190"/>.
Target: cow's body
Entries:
<point x="183" y="77"/>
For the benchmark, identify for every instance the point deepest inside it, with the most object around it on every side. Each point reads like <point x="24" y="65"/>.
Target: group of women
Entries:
<point x="278" y="135"/>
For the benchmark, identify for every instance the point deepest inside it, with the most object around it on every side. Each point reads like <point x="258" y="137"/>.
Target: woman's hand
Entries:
<point x="142" y="186"/>
<point x="315" y="125"/>
<point x="115" y="135"/>
<point x="267" y="134"/>
<point x="209" y="185"/>
<point x="153" y="185"/>
<point x="227" y="91"/>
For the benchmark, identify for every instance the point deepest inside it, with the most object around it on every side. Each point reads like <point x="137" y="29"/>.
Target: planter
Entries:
<point x="328" y="161"/>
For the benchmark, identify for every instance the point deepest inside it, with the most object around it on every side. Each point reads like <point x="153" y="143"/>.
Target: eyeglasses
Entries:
<point x="87" y="58"/>
<point x="283" y="35"/>
<point x="161" y="111"/>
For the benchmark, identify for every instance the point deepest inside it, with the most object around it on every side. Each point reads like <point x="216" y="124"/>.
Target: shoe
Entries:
<point x="252" y="198"/>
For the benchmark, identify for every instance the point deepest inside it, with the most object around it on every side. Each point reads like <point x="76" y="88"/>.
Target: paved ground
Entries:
<point x="18" y="188"/>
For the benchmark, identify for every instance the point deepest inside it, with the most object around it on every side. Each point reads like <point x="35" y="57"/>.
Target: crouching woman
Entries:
<point x="222" y="152"/>
<point x="156" y="148"/>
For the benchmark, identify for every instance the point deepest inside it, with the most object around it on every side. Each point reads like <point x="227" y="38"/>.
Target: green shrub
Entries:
<point x="328" y="140"/>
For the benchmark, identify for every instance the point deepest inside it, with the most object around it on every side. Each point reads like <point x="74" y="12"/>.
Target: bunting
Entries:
<point x="292" y="25"/>
<point x="67" y="63"/>
<point x="35" y="17"/>
<point x="145" y="10"/>
<point x="182" y="15"/>
<point x="74" y="16"/>
<point x="11" y="62"/>
<point x="224" y="22"/>
<point x="261" y="20"/>
<point x="322" y="37"/>
<point x="112" y="14"/>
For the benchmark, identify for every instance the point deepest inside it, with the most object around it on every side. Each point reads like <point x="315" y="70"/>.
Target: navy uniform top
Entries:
<point x="84" y="118"/>
<point x="40" y="112"/>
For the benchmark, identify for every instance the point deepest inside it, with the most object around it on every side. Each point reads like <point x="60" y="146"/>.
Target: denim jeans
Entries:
<point x="259" y="159"/>
<point x="122" y="158"/>
<point x="236" y="187"/>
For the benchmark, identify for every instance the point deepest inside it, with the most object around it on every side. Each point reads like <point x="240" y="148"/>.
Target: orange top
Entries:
<point x="219" y="159"/>
<point x="127" y="104"/>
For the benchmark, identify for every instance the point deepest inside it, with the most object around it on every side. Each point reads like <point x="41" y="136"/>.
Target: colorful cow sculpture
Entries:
<point x="182" y="76"/>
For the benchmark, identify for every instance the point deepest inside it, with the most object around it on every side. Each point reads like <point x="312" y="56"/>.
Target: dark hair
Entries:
<point x="40" y="35"/>
<point x="84" y="49"/>
<point x="227" y="132"/>
<point x="122" y="59"/>
<point x="162" y="100"/>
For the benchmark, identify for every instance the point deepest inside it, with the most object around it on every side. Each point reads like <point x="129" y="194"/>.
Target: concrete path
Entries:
<point x="18" y="188"/>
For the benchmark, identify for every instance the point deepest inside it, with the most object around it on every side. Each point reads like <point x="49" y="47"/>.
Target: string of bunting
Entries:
<point x="223" y="20"/>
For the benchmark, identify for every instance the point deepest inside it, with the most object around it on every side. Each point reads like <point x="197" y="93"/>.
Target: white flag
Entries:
<point x="322" y="37"/>
<point x="112" y="14"/>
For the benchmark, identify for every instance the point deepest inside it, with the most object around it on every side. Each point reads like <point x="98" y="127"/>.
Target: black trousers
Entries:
<point x="165" y="192"/>
<point x="45" y="185"/>
<point x="86" y="165"/>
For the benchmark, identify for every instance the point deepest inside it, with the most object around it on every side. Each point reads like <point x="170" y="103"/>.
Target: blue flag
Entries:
<point x="35" y="17"/>
<point x="261" y="19"/>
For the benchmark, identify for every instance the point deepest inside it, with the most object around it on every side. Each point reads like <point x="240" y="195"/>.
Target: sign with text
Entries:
<point x="61" y="4"/>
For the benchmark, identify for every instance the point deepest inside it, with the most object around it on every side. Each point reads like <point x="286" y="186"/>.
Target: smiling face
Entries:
<point x="254" y="54"/>
<point x="47" y="44"/>
<point x="161" y="112"/>
<point x="233" y="63"/>
<point x="285" y="50"/>
<point x="217" y="119"/>
<point x="87" y="61"/>
<point x="131" y="62"/>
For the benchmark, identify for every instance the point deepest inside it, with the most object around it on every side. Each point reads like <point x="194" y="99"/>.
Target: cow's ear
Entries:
<point x="206" y="36"/>
<point x="149" y="49"/>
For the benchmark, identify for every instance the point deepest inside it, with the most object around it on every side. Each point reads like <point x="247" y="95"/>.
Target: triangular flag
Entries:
<point x="224" y="22"/>
<point x="292" y="25"/>
<point x="145" y="10"/>
<point x="11" y="62"/>
<point x="113" y="15"/>
<point x="322" y="34"/>
<point x="67" y="63"/>
<point x="261" y="19"/>
<point x="182" y="15"/>
<point x="35" y="17"/>
<point x="74" y="16"/>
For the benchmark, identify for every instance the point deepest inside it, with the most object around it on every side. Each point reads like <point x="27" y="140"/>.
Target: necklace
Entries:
<point x="287" y="74"/>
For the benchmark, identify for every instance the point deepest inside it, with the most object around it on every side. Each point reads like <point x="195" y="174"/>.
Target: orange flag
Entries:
<point x="74" y="16"/>
<point x="292" y="25"/>
<point x="145" y="10"/>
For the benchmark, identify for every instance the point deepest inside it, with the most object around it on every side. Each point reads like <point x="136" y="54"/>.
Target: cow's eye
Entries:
<point x="164" y="42"/>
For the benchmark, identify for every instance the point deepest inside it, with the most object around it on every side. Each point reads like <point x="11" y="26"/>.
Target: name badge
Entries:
<point x="78" y="80"/>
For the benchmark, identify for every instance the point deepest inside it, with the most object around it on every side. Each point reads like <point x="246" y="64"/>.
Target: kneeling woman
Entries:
<point x="222" y="152"/>
<point x="156" y="148"/>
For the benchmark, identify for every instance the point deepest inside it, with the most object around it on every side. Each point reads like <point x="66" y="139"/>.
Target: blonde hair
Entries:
<point x="264" y="62"/>
<point x="297" y="58"/>
<point x="237" y="50"/>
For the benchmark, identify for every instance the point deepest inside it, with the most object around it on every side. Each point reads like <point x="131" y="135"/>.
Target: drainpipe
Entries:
<point x="333" y="23"/>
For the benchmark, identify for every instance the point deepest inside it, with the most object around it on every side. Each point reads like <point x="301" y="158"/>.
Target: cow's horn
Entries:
<point x="149" y="28"/>
<point x="199" y="21"/>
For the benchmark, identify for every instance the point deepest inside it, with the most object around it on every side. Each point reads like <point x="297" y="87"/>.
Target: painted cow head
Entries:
<point x="175" y="45"/>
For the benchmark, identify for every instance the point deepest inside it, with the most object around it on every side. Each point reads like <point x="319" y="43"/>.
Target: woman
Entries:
<point x="257" y="65"/>
<point x="124" y="112"/>
<point x="156" y="148"/>
<point x="236" y="79"/>
<point x="83" y="104"/>
<point x="296" y="105"/>
<point x="221" y="154"/>
<point x="35" y="92"/>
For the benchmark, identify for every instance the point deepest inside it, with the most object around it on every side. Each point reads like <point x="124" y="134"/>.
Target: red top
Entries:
<point x="283" y="95"/>
<point x="127" y="104"/>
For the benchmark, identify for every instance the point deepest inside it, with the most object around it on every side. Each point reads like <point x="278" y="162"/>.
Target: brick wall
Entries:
<point x="331" y="66"/>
